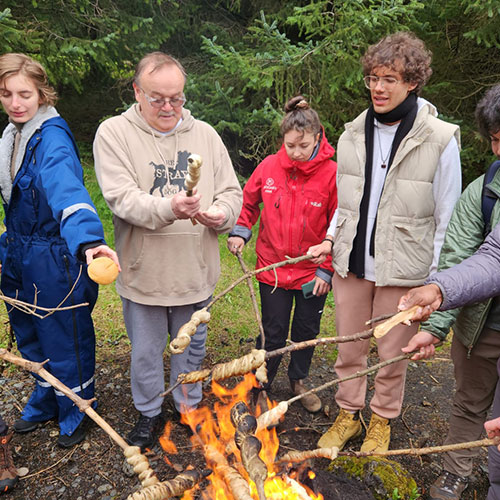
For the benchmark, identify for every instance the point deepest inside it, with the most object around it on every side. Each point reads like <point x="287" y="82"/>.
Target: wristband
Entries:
<point x="327" y="239"/>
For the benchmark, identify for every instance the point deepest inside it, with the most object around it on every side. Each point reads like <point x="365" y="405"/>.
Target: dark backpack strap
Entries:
<point x="488" y="200"/>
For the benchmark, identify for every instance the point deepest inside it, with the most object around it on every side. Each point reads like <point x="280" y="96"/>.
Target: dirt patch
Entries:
<point x="96" y="469"/>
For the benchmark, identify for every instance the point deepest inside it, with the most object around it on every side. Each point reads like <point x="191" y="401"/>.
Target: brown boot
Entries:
<point x="378" y="435"/>
<point x="346" y="426"/>
<point x="311" y="402"/>
<point x="8" y="473"/>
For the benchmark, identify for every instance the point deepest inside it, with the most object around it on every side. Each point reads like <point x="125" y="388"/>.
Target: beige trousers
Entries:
<point x="356" y="301"/>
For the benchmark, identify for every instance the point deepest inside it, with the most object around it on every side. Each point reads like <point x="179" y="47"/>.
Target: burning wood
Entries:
<point x="241" y="455"/>
<point x="249" y="446"/>
<point x="239" y="488"/>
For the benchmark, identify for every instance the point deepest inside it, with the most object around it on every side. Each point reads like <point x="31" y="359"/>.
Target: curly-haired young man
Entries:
<point x="398" y="179"/>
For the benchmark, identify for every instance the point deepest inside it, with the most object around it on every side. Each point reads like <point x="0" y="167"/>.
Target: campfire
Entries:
<point x="241" y="457"/>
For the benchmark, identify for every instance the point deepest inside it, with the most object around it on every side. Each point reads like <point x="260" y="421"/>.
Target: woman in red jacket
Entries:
<point x="297" y="188"/>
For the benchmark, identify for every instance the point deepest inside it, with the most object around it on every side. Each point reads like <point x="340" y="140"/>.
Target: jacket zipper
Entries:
<point x="75" y="328"/>
<point x="293" y="178"/>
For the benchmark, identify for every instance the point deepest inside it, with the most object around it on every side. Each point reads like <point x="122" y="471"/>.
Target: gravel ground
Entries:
<point x="95" y="469"/>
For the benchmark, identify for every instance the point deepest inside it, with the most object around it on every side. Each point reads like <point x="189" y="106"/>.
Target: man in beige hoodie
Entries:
<point x="170" y="265"/>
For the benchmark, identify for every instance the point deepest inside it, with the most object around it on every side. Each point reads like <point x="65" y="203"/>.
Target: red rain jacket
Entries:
<point x="299" y="199"/>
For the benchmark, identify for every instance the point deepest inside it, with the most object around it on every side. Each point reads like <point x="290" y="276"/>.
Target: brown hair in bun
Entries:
<point x="300" y="116"/>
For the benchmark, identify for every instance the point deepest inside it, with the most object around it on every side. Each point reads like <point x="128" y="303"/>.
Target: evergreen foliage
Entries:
<point x="246" y="58"/>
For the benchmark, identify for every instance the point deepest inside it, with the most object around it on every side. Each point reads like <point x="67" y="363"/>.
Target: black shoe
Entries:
<point x="146" y="431"/>
<point x="23" y="426"/>
<point x="65" y="441"/>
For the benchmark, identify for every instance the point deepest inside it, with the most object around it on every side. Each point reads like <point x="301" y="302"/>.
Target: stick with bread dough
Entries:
<point x="193" y="175"/>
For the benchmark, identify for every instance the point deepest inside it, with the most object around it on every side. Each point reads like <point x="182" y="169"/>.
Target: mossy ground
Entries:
<point x="385" y="478"/>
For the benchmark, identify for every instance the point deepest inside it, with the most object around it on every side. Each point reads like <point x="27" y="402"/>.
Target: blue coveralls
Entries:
<point x="49" y="216"/>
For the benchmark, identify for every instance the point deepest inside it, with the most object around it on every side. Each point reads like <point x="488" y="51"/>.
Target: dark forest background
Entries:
<point x="246" y="58"/>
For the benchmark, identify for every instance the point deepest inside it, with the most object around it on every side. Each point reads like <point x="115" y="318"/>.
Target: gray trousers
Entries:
<point x="476" y="378"/>
<point x="148" y="328"/>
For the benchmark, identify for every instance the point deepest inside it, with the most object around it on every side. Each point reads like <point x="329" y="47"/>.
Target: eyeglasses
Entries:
<point x="387" y="82"/>
<point x="175" y="102"/>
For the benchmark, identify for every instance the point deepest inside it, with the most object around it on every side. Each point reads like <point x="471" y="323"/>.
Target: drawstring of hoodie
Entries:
<point x="167" y="166"/>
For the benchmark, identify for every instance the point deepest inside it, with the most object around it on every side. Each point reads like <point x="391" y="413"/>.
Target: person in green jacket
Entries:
<point x="475" y="347"/>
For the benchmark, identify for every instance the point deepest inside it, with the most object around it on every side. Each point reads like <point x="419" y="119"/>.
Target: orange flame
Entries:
<point x="214" y="433"/>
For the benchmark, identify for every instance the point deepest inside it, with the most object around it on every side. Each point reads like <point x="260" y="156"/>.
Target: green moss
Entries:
<point x="380" y="475"/>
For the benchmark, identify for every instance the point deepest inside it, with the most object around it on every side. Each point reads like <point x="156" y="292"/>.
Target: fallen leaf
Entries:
<point x="22" y="471"/>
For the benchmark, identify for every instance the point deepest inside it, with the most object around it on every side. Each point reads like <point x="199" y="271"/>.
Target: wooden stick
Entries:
<point x="133" y="453"/>
<point x="28" y="308"/>
<point x="287" y="262"/>
<point x="297" y="346"/>
<point x="376" y="319"/>
<point x="332" y="453"/>
<point x="178" y="345"/>
<point x="357" y="374"/>
<point x="427" y="450"/>
<point x="253" y="298"/>
<point x="265" y="419"/>
<point x="83" y="404"/>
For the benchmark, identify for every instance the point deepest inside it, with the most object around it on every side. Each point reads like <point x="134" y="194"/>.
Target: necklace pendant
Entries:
<point x="383" y="165"/>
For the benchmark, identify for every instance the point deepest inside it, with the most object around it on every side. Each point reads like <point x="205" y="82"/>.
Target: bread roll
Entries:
<point x="102" y="270"/>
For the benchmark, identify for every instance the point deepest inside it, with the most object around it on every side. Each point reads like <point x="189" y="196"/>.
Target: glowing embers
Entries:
<point x="242" y="458"/>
